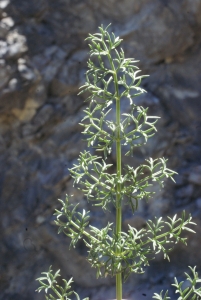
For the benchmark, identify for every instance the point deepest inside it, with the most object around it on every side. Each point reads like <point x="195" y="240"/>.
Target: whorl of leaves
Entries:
<point x="192" y="292"/>
<point x="91" y="176"/>
<point x="49" y="284"/>
<point x="127" y="252"/>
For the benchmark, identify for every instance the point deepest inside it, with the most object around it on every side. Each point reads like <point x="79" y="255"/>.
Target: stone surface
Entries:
<point x="136" y="221"/>
<point x="42" y="64"/>
<point x="195" y="176"/>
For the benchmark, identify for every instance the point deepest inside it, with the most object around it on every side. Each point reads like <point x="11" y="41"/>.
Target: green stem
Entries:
<point x="118" y="192"/>
<point x="118" y="195"/>
<point x="83" y="232"/>
<point x="188" y="294"/>
<point x="118" y="161"/>
<point x="57" y="293"/>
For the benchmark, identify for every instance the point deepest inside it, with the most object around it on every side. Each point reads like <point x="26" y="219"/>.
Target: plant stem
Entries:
<point x="84" y="232"/>
<point x="118" y="162"/>
<point x="118" y="192"/>
<point x="56" y="292"/>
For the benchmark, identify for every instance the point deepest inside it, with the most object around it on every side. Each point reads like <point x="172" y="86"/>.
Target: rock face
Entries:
<point x="42" y="64"/>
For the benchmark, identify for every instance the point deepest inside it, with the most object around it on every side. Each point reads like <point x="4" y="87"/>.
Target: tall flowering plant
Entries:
<point x="110" y="79"/>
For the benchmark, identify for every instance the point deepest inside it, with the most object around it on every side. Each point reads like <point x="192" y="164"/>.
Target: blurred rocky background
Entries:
<point x="42" y="64"/>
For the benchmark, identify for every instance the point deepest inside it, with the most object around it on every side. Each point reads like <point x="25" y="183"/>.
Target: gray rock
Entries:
<point x="137" y="222"/>
<point x="198" y="203"/>
<point x="25" y="72"/>
<point x="42" y="64"/>
<point x="3" y="48"/>
<point x="5" y="72"/>
<point x="5" y="25"/>
<point x="70" y="76"/>
<point x="186" y="191"/>
<point x="49" y="62"/>
<point x="16" y="44"/>
<point x="4" y="4"/>
<point x="195" y="176"/>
